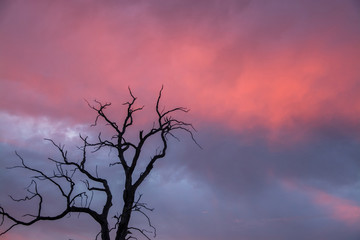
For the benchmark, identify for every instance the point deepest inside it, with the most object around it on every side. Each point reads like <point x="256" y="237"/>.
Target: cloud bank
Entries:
<point x="273" y="92"/>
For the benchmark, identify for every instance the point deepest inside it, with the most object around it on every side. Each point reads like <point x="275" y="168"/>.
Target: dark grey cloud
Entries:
<point x="243" y="162"/>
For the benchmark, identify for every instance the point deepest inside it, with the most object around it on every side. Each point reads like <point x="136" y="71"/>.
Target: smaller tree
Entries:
<point x="70" y="175"/>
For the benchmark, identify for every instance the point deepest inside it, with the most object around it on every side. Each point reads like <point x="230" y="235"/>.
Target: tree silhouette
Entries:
<point x="68" y="174"/>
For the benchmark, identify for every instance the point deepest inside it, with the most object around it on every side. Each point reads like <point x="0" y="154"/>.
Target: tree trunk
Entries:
<point x="105" y="235"/>
<point x="122" y="231"/>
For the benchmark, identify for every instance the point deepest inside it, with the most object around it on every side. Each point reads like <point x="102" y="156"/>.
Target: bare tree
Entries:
<point x="128" y="154"/>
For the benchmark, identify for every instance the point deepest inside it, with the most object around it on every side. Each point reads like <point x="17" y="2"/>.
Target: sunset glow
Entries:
<point x="273" y="88"/>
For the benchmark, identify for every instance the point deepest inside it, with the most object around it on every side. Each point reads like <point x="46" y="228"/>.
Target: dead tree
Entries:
<point x="128" y="154"/>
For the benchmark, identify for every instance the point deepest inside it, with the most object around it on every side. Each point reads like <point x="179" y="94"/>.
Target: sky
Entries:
<point x="273" y="88"/>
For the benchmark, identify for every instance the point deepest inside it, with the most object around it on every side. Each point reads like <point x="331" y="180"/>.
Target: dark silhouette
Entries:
<point x="128" y="155"/>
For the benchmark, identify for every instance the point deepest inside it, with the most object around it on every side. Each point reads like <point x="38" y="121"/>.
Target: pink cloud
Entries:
<point x="337" y="207"/>
<point x="341" y="209"/>
<point x="244" y="79"/>
<point x="287" y="71"/>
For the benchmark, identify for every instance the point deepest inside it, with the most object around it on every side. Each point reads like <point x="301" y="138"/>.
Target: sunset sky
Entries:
<point x="273" y="87"/>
